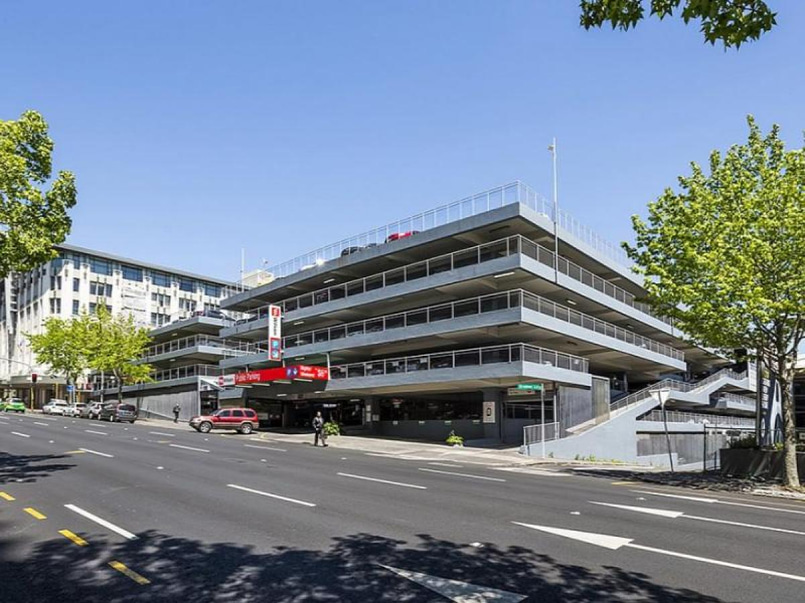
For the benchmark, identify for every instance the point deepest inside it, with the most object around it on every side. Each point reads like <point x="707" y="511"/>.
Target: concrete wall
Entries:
<point x="429" y="430"/>
<point x="160" y="405"/>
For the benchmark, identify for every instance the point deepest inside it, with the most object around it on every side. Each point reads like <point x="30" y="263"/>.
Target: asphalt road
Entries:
<point x="114" y="512"/>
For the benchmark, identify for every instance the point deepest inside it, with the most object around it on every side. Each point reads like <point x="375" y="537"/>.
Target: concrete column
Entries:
<point x="493" y="430"/>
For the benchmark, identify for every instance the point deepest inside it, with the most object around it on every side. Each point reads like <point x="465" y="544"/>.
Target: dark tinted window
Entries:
<point x="127" y="407"/>
<point x="237" y="414"/>
<point x="225" y="414"/>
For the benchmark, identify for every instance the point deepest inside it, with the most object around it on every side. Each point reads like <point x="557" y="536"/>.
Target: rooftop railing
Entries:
<point x="745" y="401"/>
<point x="480" y="305"/>
<point x="515" y="192"/>
<point x="516" y="352"/>
<point x="458" y="259"/>
<point x="194" y="370"/>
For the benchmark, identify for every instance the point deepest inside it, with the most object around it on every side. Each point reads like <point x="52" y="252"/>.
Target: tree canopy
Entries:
<point x="731" y="22"/>
<point x="64" y="345"/>
<point x="725" y="257"/>
<point x="32" y="220"/>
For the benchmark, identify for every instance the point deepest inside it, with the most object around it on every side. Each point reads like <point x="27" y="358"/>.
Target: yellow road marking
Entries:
<point x="75" y="452"/>
<point x="5" y="496"/>
<point x="34" y="513"/>
<point x="74" y="537"/>
<point x="622" y="483"/>
<point x="130" y="573"/>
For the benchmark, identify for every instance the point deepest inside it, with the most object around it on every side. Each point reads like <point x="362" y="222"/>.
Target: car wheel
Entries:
<point x="205" y="427"/>
<point x="246" y="428"/>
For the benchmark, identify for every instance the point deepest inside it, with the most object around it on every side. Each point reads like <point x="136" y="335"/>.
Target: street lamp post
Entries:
<point x="552" y="149"/>
<point x="663" y="394"/>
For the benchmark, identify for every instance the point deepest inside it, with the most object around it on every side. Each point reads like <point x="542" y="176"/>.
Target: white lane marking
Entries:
<point x="109" y="456"/>
<point x="455" y="590"/>
<point x="265" y="448"/>
<point x="96" y="432"/>
<point x="447" y="465"/>
<point x="107" y="524"/>
<point x="42" y="424"/>
<point x="720" y="502"/>
<point x="676" y="514"/>
<point x="22" y="435"/>
<point x="47" y="418"/>
<point x="162" y="433"/>
<point x="648" y="511"/>
<point x="616" y="542"/>
<point x="483" y="477"/>
<point x="382" y="481"/>
<point x="269" y="495"/>
<point x="5" y="422"/>
<point x="188" y="448"/>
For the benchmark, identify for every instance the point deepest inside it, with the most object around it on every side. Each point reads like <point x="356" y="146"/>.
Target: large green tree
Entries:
<point x="731" y="22"/>
<point x="117" y="344"/>
<point x="64" y="345"/>
<point x="725" y="256"/>
<point x="32" y="219"/>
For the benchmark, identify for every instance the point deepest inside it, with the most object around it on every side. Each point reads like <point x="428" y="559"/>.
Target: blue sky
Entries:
<point x="197" y="128"/>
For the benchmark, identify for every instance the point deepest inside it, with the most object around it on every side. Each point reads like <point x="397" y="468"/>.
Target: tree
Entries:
<point x="64" y="346"/>
<point x="731" y="22"/>
<point x="116" y="344"/>
<point x="31" y="220"/>
<point x="725" y="258"/>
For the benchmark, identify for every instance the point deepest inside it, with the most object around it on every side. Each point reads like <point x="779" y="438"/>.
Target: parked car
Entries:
<point x="55" y="407"/>
<point x="356" y="249"/>
<point x="91" y="411"/>
<point x="395" y="236"/>
<point x="13" y="405"/>
<point x="118" y="412"/>
<point x="74" y="410"/>
<point x="243" y="420"/>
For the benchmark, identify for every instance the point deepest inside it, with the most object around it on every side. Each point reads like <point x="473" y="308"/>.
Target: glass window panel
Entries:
<point x="440" y="313"/>
<point x="374" y="282"/>
<point x="394" y="277"/>
<point x="465" y="258"/>
<point x="417" y="317"/>
<point x="395" y="322"/>
<point x="466" y="308"/>
<point x="416" y="271"/>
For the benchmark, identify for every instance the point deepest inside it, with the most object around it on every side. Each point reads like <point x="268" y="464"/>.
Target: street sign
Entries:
<point x="275" y="333"/>
<point x="70" y="389"/>
<point x="534" y="387"/>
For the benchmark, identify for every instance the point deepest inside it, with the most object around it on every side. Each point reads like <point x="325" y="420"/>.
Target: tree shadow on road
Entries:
<point x="185" y="570"/>
<point x="29" y="468"/>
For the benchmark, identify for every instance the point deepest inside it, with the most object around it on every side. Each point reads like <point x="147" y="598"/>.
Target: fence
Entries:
<point x="675" y="416"/>
<point x="516" y="352"/>
<point x="532" y="434"/>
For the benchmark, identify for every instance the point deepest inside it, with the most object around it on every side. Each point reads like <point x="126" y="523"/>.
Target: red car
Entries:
<point x="243" y="420"/>
<point x="394" y="236"/>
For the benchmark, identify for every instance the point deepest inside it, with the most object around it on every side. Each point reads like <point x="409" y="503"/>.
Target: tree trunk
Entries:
<point x="786" y="375"/>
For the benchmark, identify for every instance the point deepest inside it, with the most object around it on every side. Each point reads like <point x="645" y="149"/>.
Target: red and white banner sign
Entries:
<point x="275" y="333"/>
<point x="282" y="373"/>
<point x="226" y="380"/>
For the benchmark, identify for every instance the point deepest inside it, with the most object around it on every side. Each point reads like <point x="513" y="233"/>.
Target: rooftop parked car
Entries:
<point x="118" y="412"/>
<point x="56" y="406"/>
<point x="243" y="420"/>
<point x="394" y="236"/>
<point x="13" y="405"/>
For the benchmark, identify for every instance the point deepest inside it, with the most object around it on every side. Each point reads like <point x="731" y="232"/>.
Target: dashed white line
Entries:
<point x="22" y="435"/>
<point x="109" y="456"/>
<point x="483" y="477"/>
<point x="42" y="424"/>
<point x="447" y="465"/>
<point x="269" y="495"/>
<point x="719" y="501"/>
<point x="382" y="481"/>
<point x="162" y="433"/>
<point x="107" y="524"/>
<point x="96" y="432"/>
<point x="265" y="448"/>
<point x="188" y="448"/>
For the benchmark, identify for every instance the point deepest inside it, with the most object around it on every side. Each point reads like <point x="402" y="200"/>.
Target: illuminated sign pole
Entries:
<point x="275" y="333"/>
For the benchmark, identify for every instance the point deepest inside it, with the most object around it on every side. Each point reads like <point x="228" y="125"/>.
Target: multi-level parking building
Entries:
<point x="77" y="281"/>
<point x="430" y="324"/>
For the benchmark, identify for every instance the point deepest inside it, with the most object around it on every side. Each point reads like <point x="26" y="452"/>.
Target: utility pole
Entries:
<point x="552" y="149"/>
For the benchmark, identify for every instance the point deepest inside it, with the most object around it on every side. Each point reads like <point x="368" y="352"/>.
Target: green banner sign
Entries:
<point x="534" y="387"/>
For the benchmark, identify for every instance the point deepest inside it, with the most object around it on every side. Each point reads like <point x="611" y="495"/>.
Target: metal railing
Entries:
<point x="532" y="434"/>
<point x="508" y="194"/>
<point x="675" y="416"/>
<point x="516" y="352"/>
<point x="479" y="305"/>
<point x="226" y="348"/>
<point x="746" y="401"/>
<point x="675" y="385"/>
<point x="194" y="370"/>
<point x="459" y="259"/>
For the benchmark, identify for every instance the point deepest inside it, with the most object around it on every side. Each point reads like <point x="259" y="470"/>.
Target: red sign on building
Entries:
<point x="283" y="373"/>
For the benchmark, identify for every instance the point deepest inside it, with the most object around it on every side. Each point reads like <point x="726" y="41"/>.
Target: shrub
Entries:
<point x="331" y="428"/>
<point x="454" y="440"/>
<point x="744" y="442"/>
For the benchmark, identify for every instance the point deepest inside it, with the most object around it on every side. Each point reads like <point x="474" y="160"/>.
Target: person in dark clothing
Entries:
<point x="176" y="410"/>
<point x="318" y="429"/>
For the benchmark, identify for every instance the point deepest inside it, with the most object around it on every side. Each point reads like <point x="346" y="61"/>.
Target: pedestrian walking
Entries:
<point x="318" y="429"/>
<point x="176" y="410"/>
